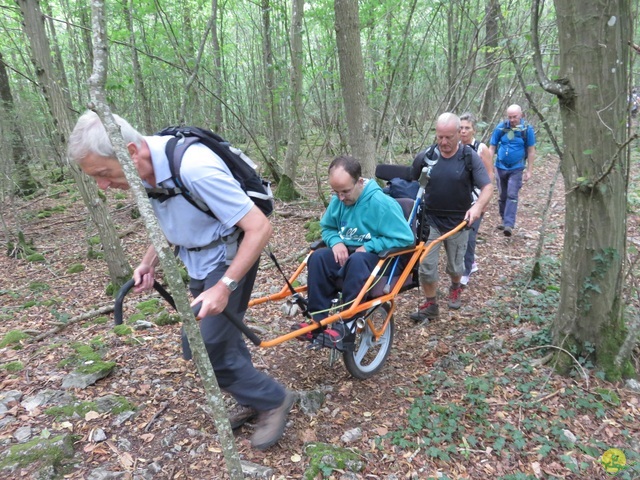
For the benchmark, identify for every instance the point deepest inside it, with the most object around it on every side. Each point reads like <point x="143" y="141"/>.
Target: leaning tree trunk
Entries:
<point x="354" y="93"/>
<point x="594" y="58"/>
<point x="162" y="248"/>
<point x="59" y="103"/>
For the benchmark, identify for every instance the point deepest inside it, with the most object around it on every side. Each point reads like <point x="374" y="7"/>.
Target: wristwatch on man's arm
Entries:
<point x="229" y="283"/>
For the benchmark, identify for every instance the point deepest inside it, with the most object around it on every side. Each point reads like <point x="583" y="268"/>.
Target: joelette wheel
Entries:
<point x="368" y="355"/>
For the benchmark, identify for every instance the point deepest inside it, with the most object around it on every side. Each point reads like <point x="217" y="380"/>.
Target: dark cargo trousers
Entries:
<point x="227" y="350"/>
<point x="327" y="278"/>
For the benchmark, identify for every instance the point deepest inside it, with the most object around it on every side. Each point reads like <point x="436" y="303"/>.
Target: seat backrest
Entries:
<point x="407" y="208"/>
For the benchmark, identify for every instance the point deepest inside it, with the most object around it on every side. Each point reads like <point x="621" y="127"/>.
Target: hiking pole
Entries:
<point x="298" y="299"/>
<point x="423" y="180"/>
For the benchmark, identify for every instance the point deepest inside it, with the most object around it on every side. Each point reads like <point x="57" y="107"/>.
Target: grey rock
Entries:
<point x="107" y="403"/>
<point x="8" y="420"/>
<point x="633" y="385"/>
<point x="22" y="434"/>
<point x="311" y="401"/>
<point x="124" y="444"/>
<point x="3" y="409"/>
<point x="142" y="474"/>
<point x="123" y="417"/>
<point x="167" y="441"/>
<point x="352" y="435"/>
<point x="83" y="380"/>
<point x="568" y="434"/>
<point x="98" y="435"/>
<point x="34" y="401"/>
<point x="155" y="467"/>
<point x="494" y="345"/>
<point x="348" y="476"/>
<point x="104" y="474"/>
<point x="143" y="325"/>
<point x="253" y="470"/>
<point x="10" y="396"/>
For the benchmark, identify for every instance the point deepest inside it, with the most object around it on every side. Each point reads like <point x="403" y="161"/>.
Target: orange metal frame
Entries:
<point x="359" y="304"/>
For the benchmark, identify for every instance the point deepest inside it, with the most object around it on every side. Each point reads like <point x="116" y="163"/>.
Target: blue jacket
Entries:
<point x="512" y="144"/>
<point x="375" y="221"/>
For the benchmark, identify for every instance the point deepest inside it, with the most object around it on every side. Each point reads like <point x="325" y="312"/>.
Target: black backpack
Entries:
<point x="241" y="166"/>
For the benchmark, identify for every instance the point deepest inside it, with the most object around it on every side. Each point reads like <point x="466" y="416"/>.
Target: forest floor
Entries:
<point x="461" y="397"/>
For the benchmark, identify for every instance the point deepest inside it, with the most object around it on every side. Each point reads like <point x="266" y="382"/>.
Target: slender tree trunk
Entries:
<point x="26" y="184"/>
<point x="592" y="89"/>
<point x="218" y="125"/>
<point x="140" y="93"/>
<point x="286" y="186"/>
<point x="59" y="102"/>
<point x="490" y="100"/>
<point x="165" y="254"/>
<point x="269" y="81"/>
<point x="354" y="93"/>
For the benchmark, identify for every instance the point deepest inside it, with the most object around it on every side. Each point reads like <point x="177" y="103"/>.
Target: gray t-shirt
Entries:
<point x="209" y="179"/>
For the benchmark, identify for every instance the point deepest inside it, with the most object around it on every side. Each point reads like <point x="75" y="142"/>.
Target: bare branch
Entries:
<point x="559" y="88"/>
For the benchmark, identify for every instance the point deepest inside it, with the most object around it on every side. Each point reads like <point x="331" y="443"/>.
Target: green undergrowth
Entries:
<point x="510" y="413"/>
<point x="500" y="404"/>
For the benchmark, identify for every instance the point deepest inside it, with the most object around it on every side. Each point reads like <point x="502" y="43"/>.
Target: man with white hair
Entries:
<point x="456" y="169"/>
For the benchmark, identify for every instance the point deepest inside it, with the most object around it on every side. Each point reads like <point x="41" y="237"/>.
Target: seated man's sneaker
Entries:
<point x="474" y="268"/>
<point x="240" y="414"/>
<point x="454" y="298"/>
<point x="309" y="336"/>
<point x="427" y="311"/>
<point x="464" y="280"/>
<point x="271" y="423"/>
<point x="336" y="335"/>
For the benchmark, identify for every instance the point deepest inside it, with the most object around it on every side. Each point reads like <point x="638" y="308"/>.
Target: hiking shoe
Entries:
<point x="500" y="227"/>
<point x="454" y="298"/>
<point x="464" y="280"/>
<point x="240" y="414"/>
<point x="474" y="268"/>
<point x="427" y="310"/>
<point x="334" y="336"/>
<point x="271" y="423"/>
<point x="507" y="231"/>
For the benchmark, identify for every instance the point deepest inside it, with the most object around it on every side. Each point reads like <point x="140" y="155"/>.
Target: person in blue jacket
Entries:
<point x="514" y="140"/>
<point x="360" y="222"/>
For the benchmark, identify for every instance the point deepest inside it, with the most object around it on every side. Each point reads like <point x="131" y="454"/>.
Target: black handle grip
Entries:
<point x="117" y="309"/>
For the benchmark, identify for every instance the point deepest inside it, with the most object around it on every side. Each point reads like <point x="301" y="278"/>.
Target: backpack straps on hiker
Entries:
<point x="241" y="167"/>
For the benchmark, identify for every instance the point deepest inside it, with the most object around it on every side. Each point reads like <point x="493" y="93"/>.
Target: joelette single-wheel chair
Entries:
<point x="373" y="308"/>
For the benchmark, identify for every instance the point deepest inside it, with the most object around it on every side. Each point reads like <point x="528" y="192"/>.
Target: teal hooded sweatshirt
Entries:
<point x="375" y="221"/>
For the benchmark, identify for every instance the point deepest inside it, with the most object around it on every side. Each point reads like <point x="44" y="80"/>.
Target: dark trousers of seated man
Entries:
<point x="326" y="276"/>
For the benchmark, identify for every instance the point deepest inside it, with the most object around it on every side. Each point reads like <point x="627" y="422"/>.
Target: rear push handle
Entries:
<point x="117" y="313"/>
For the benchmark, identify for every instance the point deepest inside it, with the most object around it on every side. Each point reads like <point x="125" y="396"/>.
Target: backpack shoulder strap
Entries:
<point x="174" y="150"/>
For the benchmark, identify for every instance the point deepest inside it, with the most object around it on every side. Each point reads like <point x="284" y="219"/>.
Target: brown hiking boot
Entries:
<point x="427" y="310"/>
<point x="271" y="423"/>
<point x="240" y="414"/>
